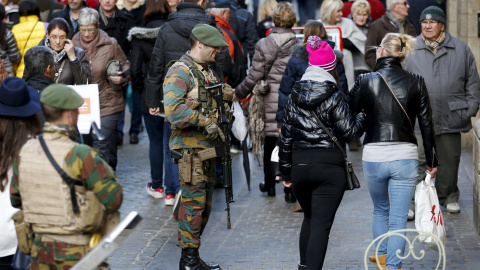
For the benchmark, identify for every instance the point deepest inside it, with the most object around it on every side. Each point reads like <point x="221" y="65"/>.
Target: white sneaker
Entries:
<point x="411" y="214"/>
<point x="169" y="200"/>
<point x="157" y="193"/>
<point x="453" y="208"/>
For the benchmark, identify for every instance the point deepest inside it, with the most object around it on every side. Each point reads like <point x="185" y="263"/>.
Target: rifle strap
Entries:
<point x="68" y="180"/>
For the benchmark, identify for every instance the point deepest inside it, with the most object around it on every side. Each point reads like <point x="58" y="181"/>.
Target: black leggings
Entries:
<point x="270" y="143"/>
<point x="319" y="188"/>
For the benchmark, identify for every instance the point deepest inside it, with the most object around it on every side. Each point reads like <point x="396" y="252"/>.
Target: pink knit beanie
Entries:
<point x="320" y="53"/>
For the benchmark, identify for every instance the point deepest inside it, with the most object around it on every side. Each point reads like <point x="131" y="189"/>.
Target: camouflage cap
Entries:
<point x="209" y="35"/>
<point x="61" y="96"/>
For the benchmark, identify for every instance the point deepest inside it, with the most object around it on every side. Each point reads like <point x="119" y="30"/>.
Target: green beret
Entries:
<point x="209" y="35"/>
<point x="61" y="96"/>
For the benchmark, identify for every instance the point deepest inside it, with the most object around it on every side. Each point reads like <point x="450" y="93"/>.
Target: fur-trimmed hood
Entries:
<point x="142" y="33"/>
<point x="121" y="4"/>
<point x="300" y="52"/>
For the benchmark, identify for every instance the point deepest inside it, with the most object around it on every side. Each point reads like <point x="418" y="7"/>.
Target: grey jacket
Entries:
<point x="265" y="52"/>
<point x="452" y="82"/>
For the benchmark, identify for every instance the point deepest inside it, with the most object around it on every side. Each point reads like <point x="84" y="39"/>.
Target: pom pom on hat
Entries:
<point x="320" y="53"/>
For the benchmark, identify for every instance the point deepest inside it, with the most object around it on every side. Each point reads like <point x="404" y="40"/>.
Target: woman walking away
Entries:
<point x="271" y="57"/>
<point x="309" y="157"/>
<point x="392" y="99"/>
<point x="19" y="122"/>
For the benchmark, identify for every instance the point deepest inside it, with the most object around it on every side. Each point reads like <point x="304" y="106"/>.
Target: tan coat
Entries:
<point x="265" y="51"/>
<point x="105" y="50"/>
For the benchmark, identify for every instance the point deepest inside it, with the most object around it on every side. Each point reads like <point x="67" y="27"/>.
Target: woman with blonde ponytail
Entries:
<point x="392" y="100"/>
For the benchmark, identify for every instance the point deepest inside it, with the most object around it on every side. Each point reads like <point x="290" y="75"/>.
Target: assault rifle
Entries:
<point x="222" y="149"/>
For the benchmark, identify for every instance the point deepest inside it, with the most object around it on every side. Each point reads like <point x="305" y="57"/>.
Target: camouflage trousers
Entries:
<point x="55" y="255"/>
<point x="195" y="207"/>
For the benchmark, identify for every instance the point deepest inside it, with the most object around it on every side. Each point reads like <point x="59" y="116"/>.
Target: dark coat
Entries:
<point x="378" y="30"/>
<point x="386" y="121"/>
<point x="38" y="81"/>
<point x="118" y="27"/>
<point x="143" y="41"/>
<point x="243" y="25"/>
<point x="300" y="131"/>
<point x="65" y="14"/>
<point x="296" y="67"/>
<point x="77" y="72"/>
<point x="173" y="42"/>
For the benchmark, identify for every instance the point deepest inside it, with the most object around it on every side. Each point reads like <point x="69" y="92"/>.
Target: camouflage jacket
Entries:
<point x="179" y="81"/>
<point x="86" y="165"/>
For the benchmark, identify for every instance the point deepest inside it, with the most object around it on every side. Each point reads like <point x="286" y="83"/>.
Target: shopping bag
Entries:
<point x="428" y="216"/>
<point x="90" y="110"/>
<point x="239" y="127"/>
<point x="274" y="164"/>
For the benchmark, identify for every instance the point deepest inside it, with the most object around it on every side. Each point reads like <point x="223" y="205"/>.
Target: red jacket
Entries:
<point x="226" y="27"/>
<point x="377" y="9"/>
<point x="90" y="3"/>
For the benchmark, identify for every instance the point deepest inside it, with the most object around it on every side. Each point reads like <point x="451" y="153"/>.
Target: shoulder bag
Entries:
<point x="352" y="180"/>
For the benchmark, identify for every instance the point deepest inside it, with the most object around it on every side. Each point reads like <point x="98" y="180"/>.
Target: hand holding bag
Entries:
<point x="352" y="180"/>
<point x="428" y="216"/>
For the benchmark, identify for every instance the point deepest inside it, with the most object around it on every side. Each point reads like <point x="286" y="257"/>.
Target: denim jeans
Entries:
<point x="391" y="185"/>
<point x="159" y="152"/>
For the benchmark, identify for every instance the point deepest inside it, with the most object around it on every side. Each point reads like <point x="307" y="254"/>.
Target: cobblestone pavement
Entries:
<point x="265" y="231"/>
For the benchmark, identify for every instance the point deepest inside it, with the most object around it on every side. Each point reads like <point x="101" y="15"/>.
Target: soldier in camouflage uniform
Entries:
<point x="60" y="239"/>
<point x="189" y="108"/>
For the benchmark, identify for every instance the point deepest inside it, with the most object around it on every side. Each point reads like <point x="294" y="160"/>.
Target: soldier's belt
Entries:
<point x="78" y="239"/>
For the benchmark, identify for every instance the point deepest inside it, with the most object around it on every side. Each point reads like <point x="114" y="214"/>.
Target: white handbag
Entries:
<point x="239" y="127"/>
<point x="428" y="216"/>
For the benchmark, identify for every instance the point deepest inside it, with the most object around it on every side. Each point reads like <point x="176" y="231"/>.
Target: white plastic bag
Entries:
<point x="428" y="216"/>
<point x="274" y="164"/>
<point x="239" y="127"/>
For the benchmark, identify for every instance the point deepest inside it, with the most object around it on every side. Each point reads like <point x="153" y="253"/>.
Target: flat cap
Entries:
<point x="209" y="35"/>
<point x="61" y="97"/>
<point x="219" y="4"/>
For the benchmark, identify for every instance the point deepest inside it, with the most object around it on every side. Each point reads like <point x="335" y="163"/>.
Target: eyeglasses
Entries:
<point x="91" y="30"/>
<point x="404" y="3"/>
<point x="61" y="38"/>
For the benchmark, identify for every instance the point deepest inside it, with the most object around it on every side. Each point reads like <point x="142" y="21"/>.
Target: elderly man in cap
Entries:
<point x="448" y="67"/>
<point x="63" y="211"/>
<point x="189" y="109"/>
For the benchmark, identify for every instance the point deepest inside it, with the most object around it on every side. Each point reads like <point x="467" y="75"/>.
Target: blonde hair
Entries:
<point x="329" y="10"/>
<point x="392" y="43"/>
<point x="361" y="6"/>
<point x="284" y="15"/>
<point x="266" y="9"/>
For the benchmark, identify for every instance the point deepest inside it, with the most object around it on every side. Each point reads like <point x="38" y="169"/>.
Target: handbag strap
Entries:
<point x="396" y="99"/>
<point x="275" y="58"/>
<point x="59" y="72"/>
<point x="333" y="137"/>
<point x="68" y="180"/>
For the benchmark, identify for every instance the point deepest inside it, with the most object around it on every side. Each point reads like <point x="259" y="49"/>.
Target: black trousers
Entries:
<point x="319" y="180"/>
<point x="270" y="143"/>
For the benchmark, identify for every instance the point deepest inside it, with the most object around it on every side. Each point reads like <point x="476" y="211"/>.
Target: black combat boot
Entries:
<point x="190" y="260"/>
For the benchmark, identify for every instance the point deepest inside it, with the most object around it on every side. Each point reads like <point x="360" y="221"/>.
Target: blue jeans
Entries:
<point x="391" y="185"/>
<point x="159" y="152"/>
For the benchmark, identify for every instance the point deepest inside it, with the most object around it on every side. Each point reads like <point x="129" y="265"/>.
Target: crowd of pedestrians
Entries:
<point x="397" y="78"/>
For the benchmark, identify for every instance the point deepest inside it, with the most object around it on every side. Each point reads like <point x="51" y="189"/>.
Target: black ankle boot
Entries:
<point x="262" y="187"/>
<point x="190" y="260"/>
<point x="271" y="192"/>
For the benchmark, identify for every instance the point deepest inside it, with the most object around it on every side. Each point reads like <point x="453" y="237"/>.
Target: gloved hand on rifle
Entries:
<point x="213" y="130"/>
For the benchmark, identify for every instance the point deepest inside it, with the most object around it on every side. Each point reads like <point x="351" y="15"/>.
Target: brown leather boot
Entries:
<point x="381" y="260"/>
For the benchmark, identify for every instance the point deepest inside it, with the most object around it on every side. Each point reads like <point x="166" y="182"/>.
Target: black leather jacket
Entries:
<point x="300" y="130"/>
<point x="386" y="121"/>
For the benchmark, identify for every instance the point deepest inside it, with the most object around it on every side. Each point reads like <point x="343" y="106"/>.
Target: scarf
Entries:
<point x="103" y="16"/>
<point x="89" y="47"/>
<point x="57" y="56"/>
<point x="399" y="23"/>
<point x="434" y="45"/>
